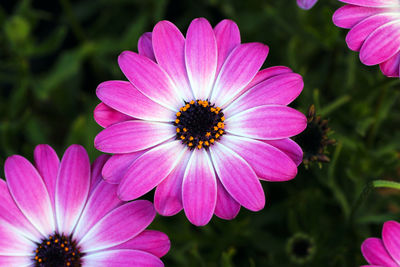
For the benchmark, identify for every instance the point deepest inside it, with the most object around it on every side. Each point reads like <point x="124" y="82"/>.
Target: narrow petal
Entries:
<point x="268" y="162"/>
<point x="115" y="168"/>
<point x="289" y="147"/>
<point x="280" y="89"/>
<point x="348" y="16"/>
<point x="122" y="258"/>
<point x="306" y="4"/>
<point x="96" y="168"/>
<point x="267" y="73"/>
<point x="168" y="195"/>
<point x="125" y="98"/>
<point x="391" y="239"/>
<point x="106" y="116"/>
<point x="154" y="242"/>
<point x="131" y="136"/>
<point x="390" y="67"/>
<point x="29" y="192"/>
<point x="372" y="3"/>
<point x="267" y="122"/>
<point x="14" y="244"/>
<point x="150" y="79"/>
<point x="47" y="164"/>
<point x="238" y="70"/>
<point x="169" y="48"/>
<point x="227" y="35"/>
<point x="226" y="208"/>
<point x="238" y="178"/>
<point x="150" y="169"/>
<point x="145" y="46"/>
<point x="199" y="188"/>
<point x="119" y="226"/>
<point x="20" y="261"/>
<point x="375" y="253"/>
<point x="201" y="57"/>
<point x="381" y="44"/>
<point x="72" y="187"/>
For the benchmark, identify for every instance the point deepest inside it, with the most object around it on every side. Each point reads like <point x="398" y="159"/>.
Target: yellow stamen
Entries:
<point x="190" y="144"/>
<point x="177" y="121"/>
<point x="178" y="114"/>
<point x="191" y="138"/>
<point x="192" y="102"/>
<point x="221" y="131"/>
<point x="212" y="109"/>
<point x="66" y="249"/>
<point x="206" y="143"/>
<point x="215" y="128"/>
<point x="208" y="134"/>
<point x="216" y="135"/>
<point x="199" y="146"/>
<point x="48" y="243"/>
<point x="185" y="130"/>
<point x="212" y="141"/>
<point x="222" y="118"/>
<point x="221" y="125"/>
<point x="182" y="137"/>
<point x="178" y="130"/>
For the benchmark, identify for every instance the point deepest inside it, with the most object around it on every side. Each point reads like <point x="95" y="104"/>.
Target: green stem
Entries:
<point x="386" y="184"/>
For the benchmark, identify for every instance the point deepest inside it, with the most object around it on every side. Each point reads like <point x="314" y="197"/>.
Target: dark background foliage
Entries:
<point x="53" y="54"/>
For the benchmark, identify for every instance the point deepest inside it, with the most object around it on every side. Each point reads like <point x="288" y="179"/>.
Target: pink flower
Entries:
<point x="306" y="4"/>
<point x="199" y="121"/>
<point x="64" y="214"/>
<point x="374" y="32"/>
<point x="384" y="252"/>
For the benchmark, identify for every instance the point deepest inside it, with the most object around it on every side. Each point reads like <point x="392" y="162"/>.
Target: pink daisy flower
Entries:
<point x="199" y="121"/>
<point x="374" y="32"/>
<point x="383" y="252"/>
<point x="306" y="4"/>
<point x="64" y="214"/>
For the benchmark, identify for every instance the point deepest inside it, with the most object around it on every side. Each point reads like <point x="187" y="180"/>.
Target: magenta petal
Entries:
<point x="201" y="57"/>
<point x="348" y="16"/>
<point x="169" y="48"/>
<point x="106" y="116"/>
<point x="96" y="176"/>
<point x="154" y="242"/>
<point x="391" y="67"/>
<point x="20" y="261"/>
<point x="72" y="187"/>
<point x="47" y="164"/>
<point x="125" y="98"/>
<point x="150" y="79"/>
<point x="280" y="89"/>
<point x="145" y="47"/>
<point x="289" y="147"/>
<point x="226" y="208"/>
<point x="122" y="258"/>
<point x="131" y="136"/>
<point x="150" y="169"/>
<point x="168" y="195"/>
<point x="115" y="168"/>
<point x="373" y="3"/>
<point x="267" y="73"/>
<point x="375" y="253"/>
<point x="199" y="188"/>
<point x="306" y="4"/>
<point x="227" y="35"/>
<point x="29" y="193"/>
<point x="119" y="226"/>
<point x="238" y="178"/>
<point x="391" y="239"/>
<point x="268" y="162"/>
<point x="239" y="69"/>
<point x="267" y="122"/>
<point x="14" y="244"/>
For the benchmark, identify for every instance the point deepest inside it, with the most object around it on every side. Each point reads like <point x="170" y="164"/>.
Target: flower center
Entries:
<point x="57" y="251"/>
<point x="199" y="124"/>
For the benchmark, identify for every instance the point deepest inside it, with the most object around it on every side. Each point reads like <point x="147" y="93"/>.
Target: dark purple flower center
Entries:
<point x="58" y="251"/>
<point x="199" y="124"/>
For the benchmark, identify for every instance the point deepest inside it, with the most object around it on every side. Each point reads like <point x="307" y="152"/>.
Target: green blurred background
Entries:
<point x="53" y="54"/>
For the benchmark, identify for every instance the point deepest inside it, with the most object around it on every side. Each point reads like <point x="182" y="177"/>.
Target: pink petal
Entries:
<point x="391" y="239"/>
<point x="280" y="89"/>
<point x="227" y="35"/>
<point x="267" y="122"/>
<point x="96" y="168"/>
<point x="106" y="116"/>
<point x="289" y="147"/>
<point x="72" y="187"/>
<point x="381" y="44"/>
<point x="154" y="242"/>
<point x="47" y="163"/>
<point x="226" y="208"/>
<point x="267" y="73"/>
<point x="357" y="35"/>
<point x="169" y="48"/>
<point x="103" y="200"/>
<point x="150" y="79"/>
<point x="268" y="162"/>
<point x="238" y="177"/>
<point x="131" y="136"/>
<point x="145" y="47"/>
<point x="238" y="70"/>
<point x="116" y="167"/>
<point x="20" y="261"/>
<point x="375" y="253"/>
<point x="29" y="193"/>
<point x="306" y="4"/>
<point x="390" y="67"/>
<point x="348" y="16"/>
<point x="14" y="244"/>
<point x="125" y="98"/>
<point x="150" y="169"/>
<point x="168" y="195"/>
<point x="119" y="226"/>
<point x="201" y="57"/>
<point x="122" y="258"/>
<point x="372" y="3"/>
<point x="199" y="188"/>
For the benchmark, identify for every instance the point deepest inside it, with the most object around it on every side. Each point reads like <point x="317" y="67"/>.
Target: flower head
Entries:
<point x="306" y="4"/>
<point x="384" y="252"/>
<point x="199" y="121"/>
<point x="63" y="214"/>
<point x="374" y="32"/>
<point x="301" y="248"/>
